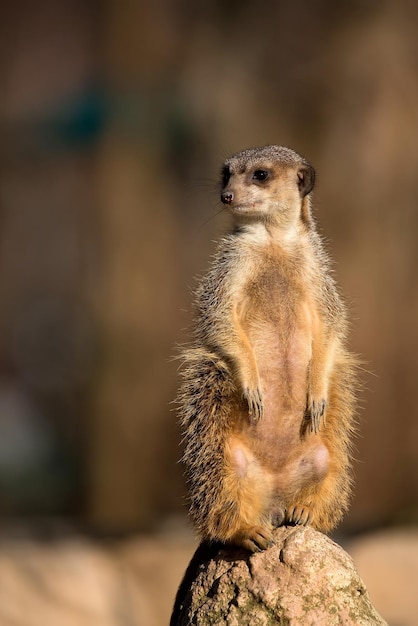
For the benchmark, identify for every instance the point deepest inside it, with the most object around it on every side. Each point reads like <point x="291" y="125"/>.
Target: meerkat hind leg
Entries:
<point x="252" y="486"/>
<point x="309" y="473"/>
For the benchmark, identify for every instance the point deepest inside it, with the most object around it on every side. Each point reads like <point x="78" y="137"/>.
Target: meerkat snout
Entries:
<point x="227" y="197"/>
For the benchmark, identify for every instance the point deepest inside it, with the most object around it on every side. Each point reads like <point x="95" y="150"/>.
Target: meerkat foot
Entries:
<point x="315" y="414"/>
<point x="298" y="515"/>
<point x="255" y="403"/>
<point x="254" y="538"/>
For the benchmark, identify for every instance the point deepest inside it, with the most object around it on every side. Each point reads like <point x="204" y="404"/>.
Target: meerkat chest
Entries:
<point x="277" y="291"/>
<point x="277" y="313"/>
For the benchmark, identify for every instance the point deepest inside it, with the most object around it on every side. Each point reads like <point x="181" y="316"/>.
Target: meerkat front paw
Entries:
<point x="255" y="403"/>
<point x="316" y="414"/>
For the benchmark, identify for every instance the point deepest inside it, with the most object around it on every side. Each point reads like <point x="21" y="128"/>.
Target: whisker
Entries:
<point x="211" y="217"/>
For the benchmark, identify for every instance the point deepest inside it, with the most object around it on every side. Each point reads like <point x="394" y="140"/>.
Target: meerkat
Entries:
<point x="267" y="395"/>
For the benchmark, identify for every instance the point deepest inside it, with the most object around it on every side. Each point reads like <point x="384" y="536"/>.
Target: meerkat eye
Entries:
<point x="225" y="176"/>
<point x="260" y="175"/>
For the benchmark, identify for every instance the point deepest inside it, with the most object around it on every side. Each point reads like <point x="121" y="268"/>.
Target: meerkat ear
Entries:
<point x="306" y="179"/>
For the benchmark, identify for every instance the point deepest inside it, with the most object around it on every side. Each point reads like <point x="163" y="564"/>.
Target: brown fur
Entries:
<point x="267" y="397"/>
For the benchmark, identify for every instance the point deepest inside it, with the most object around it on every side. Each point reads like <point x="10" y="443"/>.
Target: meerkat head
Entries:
<point x="269" y="184"/>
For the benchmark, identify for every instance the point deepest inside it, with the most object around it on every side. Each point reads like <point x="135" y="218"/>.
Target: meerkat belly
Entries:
<point x="282" y="349"/>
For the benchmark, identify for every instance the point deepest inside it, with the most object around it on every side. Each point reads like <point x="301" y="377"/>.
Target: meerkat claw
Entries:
<point x="315" y="414"/>
<point x="298" y="515"/>
<point x="257" y="539"/>
<point x="255" y="404"/>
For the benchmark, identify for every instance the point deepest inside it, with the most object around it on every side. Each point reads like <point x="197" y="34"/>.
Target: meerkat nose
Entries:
<point x="227" y="197"/>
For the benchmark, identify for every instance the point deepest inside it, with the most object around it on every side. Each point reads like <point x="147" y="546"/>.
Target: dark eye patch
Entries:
<point x="260" y="175"/>
<point x="225" y="175"/>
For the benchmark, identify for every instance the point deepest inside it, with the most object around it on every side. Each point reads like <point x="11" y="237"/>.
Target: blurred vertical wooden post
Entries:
<point x="135" y="297"/>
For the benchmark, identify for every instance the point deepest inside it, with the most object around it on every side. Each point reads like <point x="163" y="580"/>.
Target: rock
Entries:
<point x="304" y="579"/>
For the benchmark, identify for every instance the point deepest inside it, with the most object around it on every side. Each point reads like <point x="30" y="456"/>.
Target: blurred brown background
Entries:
<point x="114" y="120"/>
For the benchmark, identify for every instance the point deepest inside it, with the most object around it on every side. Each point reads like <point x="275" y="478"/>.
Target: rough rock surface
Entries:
<point x="304" y="579"/>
